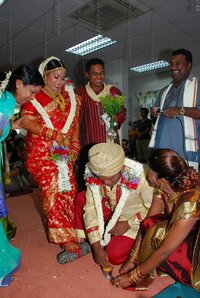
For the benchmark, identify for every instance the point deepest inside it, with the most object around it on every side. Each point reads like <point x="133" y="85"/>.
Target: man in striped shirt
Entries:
<point x="93" y="129"/>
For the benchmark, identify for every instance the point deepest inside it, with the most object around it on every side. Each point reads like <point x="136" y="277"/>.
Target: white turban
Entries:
<point x="106" y="159"/>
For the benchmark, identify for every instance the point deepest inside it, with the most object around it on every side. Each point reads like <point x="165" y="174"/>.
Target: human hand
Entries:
<point x="154" y="111"/>
<point x="172" y="112"/>
<point x="66" y="141"/>
<point x="120" y="228"/>
<point x="59" y="139"/>
<point x="122" y="281"/>
<point x="16" y="124"/>
<point x="100" y="256"/>
<point x="121" y="116"/>
<point x="127" y="266"/>
<point x="73" y="155"/>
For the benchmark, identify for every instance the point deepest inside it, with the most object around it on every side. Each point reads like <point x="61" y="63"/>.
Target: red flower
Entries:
<point x="92" y="180"/>
<point x="129" y="184"/>
<point x="133" y="186"/>
<point x="123" y="180"/>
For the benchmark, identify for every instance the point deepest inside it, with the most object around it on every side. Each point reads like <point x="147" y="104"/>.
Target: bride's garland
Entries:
<point x="130" y="179"/>
<point x="45" y="116"/>
<point x="63" y="169"/>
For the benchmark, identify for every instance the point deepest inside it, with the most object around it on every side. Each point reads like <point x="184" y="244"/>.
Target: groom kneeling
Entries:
<point x="117" y="199"/>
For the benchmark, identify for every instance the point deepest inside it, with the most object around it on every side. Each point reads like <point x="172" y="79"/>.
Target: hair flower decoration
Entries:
<point x="4" y="83"/>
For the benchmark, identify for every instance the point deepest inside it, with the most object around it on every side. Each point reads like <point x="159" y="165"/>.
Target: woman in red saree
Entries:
<point x="169" y="238"/>
<point x="52" y="122"/>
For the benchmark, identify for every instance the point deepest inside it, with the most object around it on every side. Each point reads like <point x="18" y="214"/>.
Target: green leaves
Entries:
<point x="112" y="104"/>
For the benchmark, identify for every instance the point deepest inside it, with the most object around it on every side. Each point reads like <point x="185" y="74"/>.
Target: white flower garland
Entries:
<point x="70" y="90"/>
<point x="135" y="169"/>
<point x="63" y="169"/>
<point x="4" y="83"/>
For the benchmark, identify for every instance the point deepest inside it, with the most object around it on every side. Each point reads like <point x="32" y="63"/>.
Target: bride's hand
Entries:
<point x="59" y="139"/>
<point x="16" y="124"/>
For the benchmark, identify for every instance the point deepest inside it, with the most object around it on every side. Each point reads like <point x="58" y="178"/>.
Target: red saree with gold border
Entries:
<point x="57" y="206"/>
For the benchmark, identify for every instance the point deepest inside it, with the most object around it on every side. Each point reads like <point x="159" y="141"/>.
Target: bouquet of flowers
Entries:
<point x="129" y="180"/>
<point x="131" y="174"/>
<point x="59" y="153"/>
<point x="112" y="105"/>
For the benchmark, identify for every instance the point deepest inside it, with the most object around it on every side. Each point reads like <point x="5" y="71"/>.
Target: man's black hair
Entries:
<point x="186" y="53"/>
<point x="93" y="61"/>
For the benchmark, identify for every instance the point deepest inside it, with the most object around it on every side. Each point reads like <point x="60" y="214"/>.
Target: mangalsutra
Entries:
<point x="57" y="97"/>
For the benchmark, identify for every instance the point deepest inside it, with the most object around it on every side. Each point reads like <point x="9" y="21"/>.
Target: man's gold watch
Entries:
<point x="182" y="111"/>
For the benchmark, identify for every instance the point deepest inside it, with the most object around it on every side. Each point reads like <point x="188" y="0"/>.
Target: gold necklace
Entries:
<point x="57" y="97"/>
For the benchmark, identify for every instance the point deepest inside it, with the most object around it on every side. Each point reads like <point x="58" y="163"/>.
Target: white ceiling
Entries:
<point x="29" y="31"/>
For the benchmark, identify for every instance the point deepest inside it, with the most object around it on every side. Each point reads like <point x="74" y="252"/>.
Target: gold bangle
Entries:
<point x="49" y="134"/>
<point x="133" y="256"/>
<point x="136" y="275"/>
<point x="139" y="273"/>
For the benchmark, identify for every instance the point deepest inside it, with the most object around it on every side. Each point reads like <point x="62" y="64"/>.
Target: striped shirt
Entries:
<point x="92" y="127"/>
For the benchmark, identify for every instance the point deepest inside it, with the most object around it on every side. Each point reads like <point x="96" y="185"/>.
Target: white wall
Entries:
<point x="142" y="84"/>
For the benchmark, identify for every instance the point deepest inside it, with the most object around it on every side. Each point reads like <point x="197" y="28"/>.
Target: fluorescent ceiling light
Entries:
<point x="91" y="45"/>
<point x="2" y="1"/>
<point x="150" y="66"/>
